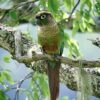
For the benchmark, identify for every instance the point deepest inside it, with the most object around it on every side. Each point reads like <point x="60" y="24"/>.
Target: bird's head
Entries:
<point x="44" y="18"/>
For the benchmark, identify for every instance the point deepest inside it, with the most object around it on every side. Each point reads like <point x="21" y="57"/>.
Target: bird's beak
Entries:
<point x="37" y="21"/>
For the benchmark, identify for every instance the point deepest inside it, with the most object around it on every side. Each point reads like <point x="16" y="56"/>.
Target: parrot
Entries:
<point x="50" y="38"/>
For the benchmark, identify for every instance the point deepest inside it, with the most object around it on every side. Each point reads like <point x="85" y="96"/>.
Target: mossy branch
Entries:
<point x="24" y="52"/>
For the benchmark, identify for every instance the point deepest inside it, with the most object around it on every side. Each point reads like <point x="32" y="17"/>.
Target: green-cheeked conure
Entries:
<point x="50" y="38"/>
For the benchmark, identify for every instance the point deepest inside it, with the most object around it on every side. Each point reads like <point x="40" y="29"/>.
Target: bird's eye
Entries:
<point x="43" y="16"/>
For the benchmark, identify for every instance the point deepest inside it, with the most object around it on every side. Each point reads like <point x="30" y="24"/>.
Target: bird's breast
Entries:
<point x="49" y="39"/>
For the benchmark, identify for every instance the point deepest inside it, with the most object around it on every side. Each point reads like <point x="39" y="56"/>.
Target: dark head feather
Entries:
<point x="42" y="13"/>
<point x="43" y="18"/>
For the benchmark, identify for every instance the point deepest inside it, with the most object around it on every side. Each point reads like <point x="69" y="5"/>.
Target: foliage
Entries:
<point x="5" y="78"/>
<point x="3" y="96"/>
<point x="97" y="7"/>
<point x="39" y="86"/>
<point x="7" y="58"/>
<point x="15" y="12"/>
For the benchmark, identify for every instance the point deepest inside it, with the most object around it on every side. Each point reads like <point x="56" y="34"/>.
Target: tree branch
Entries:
<point x="64" y="60"/>
<point x="6" y="41"/>
<point x="95" y="42"/>
<point x="67" y="74"/>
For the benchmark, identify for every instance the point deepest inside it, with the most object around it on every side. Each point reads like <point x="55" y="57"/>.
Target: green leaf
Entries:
<point x="86" y="14"/>
<point x="1" y="77"/>
<point x="13" y="14"/>
<point x="89" y="4"/>
<point x="73" y="48"/>
<point x="68" y="4"/>
<point x="41" y="80"/>
<point x="3" y="96"/>
<point x="84" y="23"/>
<point x="5" y="75"/>
<point x="44" y="86"/>
<point x="43" y="3"/>
<point x="89" y="28"/>
<point x="7" y="58"/>
<point x="97" y="7"/>
<point x="53" y="6"/>
<point x="8" y="77"/>
<point x="35" y="95"/>
<point x="82" y="26"/>
<point x="91" y="21"/>
<point x="75" y="27"/>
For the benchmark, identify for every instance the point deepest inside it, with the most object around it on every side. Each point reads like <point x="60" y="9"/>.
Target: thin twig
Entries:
<point x="70" y="16"/>
<point x="73" y="10"/>
<point x="20" y="83"/>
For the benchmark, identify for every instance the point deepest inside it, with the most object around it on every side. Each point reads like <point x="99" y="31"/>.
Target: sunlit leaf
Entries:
<point x="73" y="48"/>
<point x="84" y="23"/>
<point x="91" y="21"/>
<point x="1" y="77"/>
<point x="78" y="15"/>
<point x="41" y="80"/>
<point x="89" y="28"/>
<point x="35" y="96"/>
<point x="82" y="27"/>
<point x="7" y="58"/>
<point x="89" y="3"/>
<point x="53" y="6"/>
<point x="68" y="4"/>
<point x="8" y="77"/>
<point x="75" y="26"/>
<point x="44" y="86"/>
<point x="43" y="3"/>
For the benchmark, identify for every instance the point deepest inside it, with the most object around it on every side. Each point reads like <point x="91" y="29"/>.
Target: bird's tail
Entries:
<point x="53" y="76"/>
